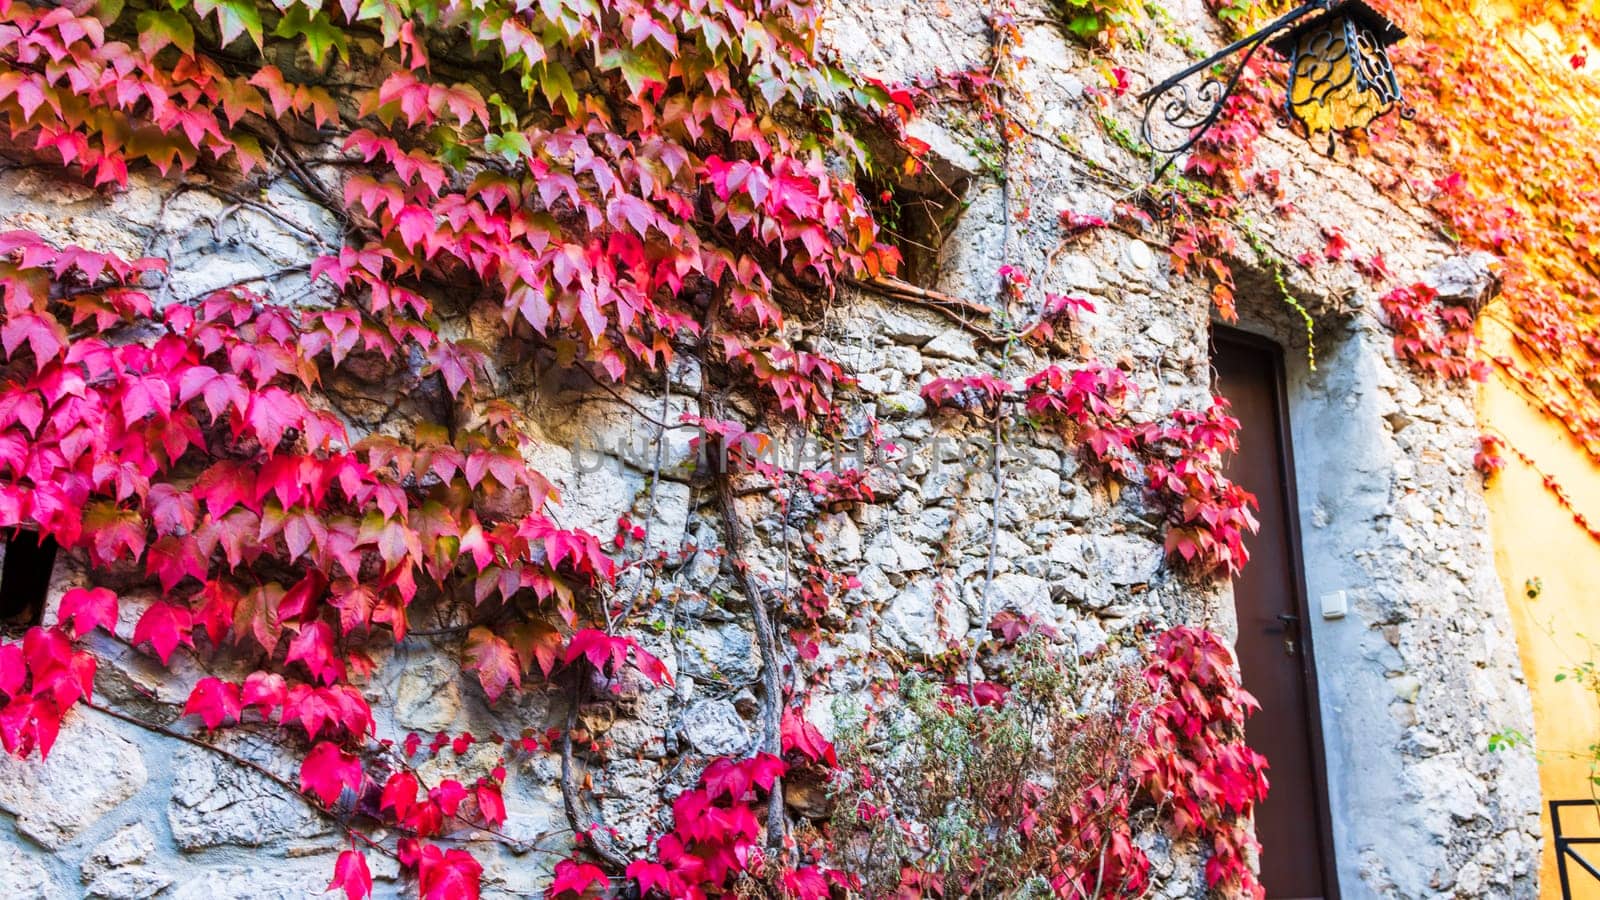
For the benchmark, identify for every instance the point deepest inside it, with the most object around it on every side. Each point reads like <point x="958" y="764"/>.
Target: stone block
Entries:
<point x="131" y="844"/>
<point x="267" y="880"/>
<point x="908" y="326"/>
<point x="216" y="803"/>
<point x="953" y="344"/>
<point x="724" y="651"/>
<point x="428" y="695"/>
<point x="24" y="878"/>
<point x="91" y="770"/>
<point x="713" y="727"/>
<point x="910" y="621"/>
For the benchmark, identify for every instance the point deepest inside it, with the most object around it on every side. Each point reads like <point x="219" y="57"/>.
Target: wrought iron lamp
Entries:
<point x="1340" y="77"/>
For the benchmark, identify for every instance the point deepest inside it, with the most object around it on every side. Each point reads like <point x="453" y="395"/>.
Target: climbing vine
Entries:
<point x="1495" y="152"/>
<point x="615" y="188"/>
<point x="1502" y="95"/>
<point x="608" y="175"/>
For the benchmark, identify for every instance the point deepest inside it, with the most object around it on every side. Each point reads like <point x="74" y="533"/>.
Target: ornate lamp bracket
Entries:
<point x="1193" y="108"/>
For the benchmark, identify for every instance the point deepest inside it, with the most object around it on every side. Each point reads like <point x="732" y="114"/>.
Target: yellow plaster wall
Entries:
<point x="1535" y="537"/>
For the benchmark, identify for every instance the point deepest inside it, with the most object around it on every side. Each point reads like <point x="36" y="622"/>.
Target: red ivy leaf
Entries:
<point x="87" y="607"/>
<point x="448" y="795"/>
<point x="495" y="662"/>
<point x="13" y="671"/>
<point x="215" y="701"/>
<point x="736" y="777"/>
<point x="448" y="875"/>
<point x="327" y="771"/>
<point x="313" y="647"/>
<point x="266" y="690"/>
<point x="42" y="333"/>
<point x="800" y="735"/>
<point x="351" y="873"/>
<point x="806" y="883"/>
<point x="650" y="876"/>
<point x="573" y="877"/>
<point x="165" y="626"/>
<point x="400" y="795"/>
<point x="491" y="805"/>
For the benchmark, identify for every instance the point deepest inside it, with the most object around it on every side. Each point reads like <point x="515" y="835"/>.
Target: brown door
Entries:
<point x="1273" y="645"/>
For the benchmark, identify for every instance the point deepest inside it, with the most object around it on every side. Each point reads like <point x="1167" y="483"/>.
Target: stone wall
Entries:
<point x="1412" y="681"/>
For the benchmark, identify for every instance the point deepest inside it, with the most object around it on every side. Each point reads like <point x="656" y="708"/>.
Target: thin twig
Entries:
<point x="889" y="285"/>
<point x="600" y="842"/>
<point x="766" y="634"/>
<point x="660" y="423"/>
<point x="235" y="759"/>
<point x="266" y="278"/>
<point x="650" y="510"/>
<point x="998" y="422"/>
<point x="268" y="211"/>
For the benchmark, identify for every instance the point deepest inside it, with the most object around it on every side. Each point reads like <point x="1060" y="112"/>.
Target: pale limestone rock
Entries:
<point x="975" y="248"/>
<point x="1083" y="633"/>
<point x="841" y="538"/>
<point x="628" y="802"/>
<point x="904" y="405"/>
<point x="893" y="553"/>
<point x="953" y="344"/>
<point x="131" y="844"/>
<point x="946" y="153"/>
<point x="1160" y="332"/>
<point x="271" y="880"/>
<point x="720" y="652"/>
<point x="533" y="799"/>
<point x="24" y="878"/>
<point x="904" y="360"/>
<point x="1023" y="594"/>
<point x="705" y="564"/>
<point x="872" y="384"/>
<point x="217" y="803"/>
<point x="1470" y="278"/>
<point x="910" y="622"/>
<point x="875" y="585"/>
<point x="1118" y="559"/>
<point x="908" y="325"/>
<point x="1038" y="487"/>
<point x="130" y="883"/>
<point x="428" y="694"/>
<point x="1081" y="272"/>
<point x="713" y="727"/>
<point x="1138" y="255"/>
<point x="631" y="736"/>
<point x="671" y="519"/>
<point x="91" y="770"/>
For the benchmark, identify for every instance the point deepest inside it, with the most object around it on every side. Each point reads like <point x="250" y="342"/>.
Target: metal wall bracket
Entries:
<point x="1192" y="109"/>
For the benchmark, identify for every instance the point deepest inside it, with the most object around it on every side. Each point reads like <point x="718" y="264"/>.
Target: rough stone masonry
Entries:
<point x="1413" y="681"/>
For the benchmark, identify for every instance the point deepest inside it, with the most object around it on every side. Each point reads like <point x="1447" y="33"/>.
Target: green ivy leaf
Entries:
<point x="388" y="14"/>
<point x="637" y="67"/>
<point x="158" y="28"/>
<point x="503" y="113"/>
<point x="319" y="34"/>
<point x="107" y="11"/>
<point x="1086" y="27"/>
<point x="234" y="17"/>
<point x="555" y="84"/>
<point x="512" y="145"/>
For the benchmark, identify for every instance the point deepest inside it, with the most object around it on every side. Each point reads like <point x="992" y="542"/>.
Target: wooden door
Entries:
<point x="1274" y="637"/>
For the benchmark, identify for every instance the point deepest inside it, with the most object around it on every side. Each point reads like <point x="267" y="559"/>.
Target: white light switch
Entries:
<point x="1334" y="605"/>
